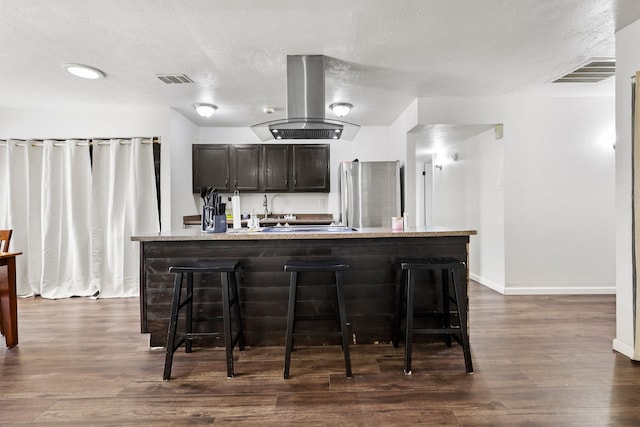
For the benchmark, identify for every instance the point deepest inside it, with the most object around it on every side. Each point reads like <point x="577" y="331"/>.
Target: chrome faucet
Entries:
<point x="265" y="203"/>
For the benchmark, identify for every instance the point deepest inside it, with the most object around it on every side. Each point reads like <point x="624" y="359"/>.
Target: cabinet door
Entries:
<point x="210" y="166"/>
<point x="311" y="168"/>
<point x="275" y="167"/>
<point x="245" y="167"/>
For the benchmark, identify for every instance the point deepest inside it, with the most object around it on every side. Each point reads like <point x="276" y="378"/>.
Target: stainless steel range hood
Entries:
<point x="305" y="106"/>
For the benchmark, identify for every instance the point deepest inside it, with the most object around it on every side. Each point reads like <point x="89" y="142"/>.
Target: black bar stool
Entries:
<point x="404" y="303"/>
<point x="227" y="270"/>
<point x="295" y="267"/>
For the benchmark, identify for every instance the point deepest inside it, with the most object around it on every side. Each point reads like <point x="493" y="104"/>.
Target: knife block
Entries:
<point x="212" y="223"/>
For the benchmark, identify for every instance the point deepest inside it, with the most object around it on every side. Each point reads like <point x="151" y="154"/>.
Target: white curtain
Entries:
<point x="124" y="204"/>
<point x="74" y="224"/>
<point x="22" y="181"/>
<point x="65" y="218"/>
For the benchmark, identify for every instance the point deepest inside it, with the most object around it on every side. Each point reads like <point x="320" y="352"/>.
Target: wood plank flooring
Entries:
<point x="539" y="360"/>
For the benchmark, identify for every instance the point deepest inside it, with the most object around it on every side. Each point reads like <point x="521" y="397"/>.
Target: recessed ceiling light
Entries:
<point x="84" y="71"/>
<point x="205" y="110"/>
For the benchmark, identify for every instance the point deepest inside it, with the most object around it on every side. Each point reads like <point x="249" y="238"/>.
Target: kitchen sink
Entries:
<point x="308" y="229"/>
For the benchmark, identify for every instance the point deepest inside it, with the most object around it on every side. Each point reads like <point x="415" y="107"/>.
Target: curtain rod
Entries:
<point x="37" y="142"/>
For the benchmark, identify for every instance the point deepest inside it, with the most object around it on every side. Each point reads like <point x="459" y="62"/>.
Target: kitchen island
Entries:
<point x="264" y="286"/>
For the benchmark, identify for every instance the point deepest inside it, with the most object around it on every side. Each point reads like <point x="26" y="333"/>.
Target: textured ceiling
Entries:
<point x="382" y="53"/>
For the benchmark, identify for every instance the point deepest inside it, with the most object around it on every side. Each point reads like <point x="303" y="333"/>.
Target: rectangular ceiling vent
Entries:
<point x="595" y="70"/>
<point x="174" y="78"/>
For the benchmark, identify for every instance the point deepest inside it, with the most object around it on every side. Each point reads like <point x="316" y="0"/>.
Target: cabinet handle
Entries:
<point x="286" y="182"/>
<point x="235" y="183"/>
<point x="226" y="182"/>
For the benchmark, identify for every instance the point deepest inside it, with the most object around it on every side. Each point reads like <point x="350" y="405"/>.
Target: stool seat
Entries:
<point x="316" y="265"/>
<point x="296" y="266"/>
<point x="205" y="267"/>
<point x="430" y="263"/>
<point x="449" y="268"/>
<point x="230" y="300"/>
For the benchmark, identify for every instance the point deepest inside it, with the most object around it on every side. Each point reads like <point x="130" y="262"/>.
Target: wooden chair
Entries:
<point x="5" y="238"/>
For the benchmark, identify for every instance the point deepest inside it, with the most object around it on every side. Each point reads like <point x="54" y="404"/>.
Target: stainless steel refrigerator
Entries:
<point x="370" y="193"/>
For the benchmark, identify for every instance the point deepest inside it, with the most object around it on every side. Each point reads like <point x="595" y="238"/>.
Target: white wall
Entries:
<point x="24" y="123"/>
<point x="468" y="194"/>
<point x="559" y="196"/>
<point x="627" y="63"/>
<point x="403" y="146"/>
<point x="182" y="133"/>
<point x="485" y="154"/>
<point x="558" y="192"/>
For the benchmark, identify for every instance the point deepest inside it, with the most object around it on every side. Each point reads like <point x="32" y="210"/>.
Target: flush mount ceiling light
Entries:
<point x="84" y="71"/>
<point x="341" y="109"/>
<point x="205" y="110"/>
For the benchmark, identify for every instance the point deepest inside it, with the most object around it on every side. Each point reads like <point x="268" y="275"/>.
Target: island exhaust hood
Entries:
<point x="305" y="106"/>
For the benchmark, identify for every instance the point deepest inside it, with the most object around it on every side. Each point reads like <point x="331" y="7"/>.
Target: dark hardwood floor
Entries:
<point x="539" y="360"/>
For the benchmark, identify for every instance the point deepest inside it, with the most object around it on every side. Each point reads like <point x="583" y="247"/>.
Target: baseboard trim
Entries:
<point x="545" y="289"/>
<point x="623" y="348"/>
<point x="560" y="290"/>
<point x="488" y="283"/>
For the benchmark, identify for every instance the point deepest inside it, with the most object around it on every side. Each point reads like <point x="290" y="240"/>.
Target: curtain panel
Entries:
<point x="73" y="220"/>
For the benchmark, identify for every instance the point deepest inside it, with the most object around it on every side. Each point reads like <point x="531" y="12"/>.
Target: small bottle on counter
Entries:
<point x="253" y="224"/>
<point x="405" y="221"/>
<point x="228" y="211"/>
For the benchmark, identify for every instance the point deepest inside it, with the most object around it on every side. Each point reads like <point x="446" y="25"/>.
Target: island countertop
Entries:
<point x="245" y="234"/>
<point x="372" y="254"/>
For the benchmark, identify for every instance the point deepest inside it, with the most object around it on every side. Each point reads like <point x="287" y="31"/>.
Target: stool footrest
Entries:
<point x="310" y="318"/>
<point x="317" y="333"/>
<point x="437" y="331"/>
<point x="197" y="335"/>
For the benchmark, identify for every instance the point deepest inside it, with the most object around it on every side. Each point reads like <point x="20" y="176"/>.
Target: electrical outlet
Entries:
<point x="322" y="202"/>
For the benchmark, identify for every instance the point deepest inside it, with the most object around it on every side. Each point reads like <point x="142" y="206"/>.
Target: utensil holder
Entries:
<point x="212" y="223"/>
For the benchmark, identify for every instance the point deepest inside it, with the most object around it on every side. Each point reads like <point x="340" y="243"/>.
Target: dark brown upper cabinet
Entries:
<point x="311" y="168"/>
<point x="211" y="167"/>
<point x="275" y="160"/>
<point x="261" y="168"/>
<point x="245" y="168"/>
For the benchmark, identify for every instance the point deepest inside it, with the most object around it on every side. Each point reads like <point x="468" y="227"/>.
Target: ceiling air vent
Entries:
<point x="173" y="78"/>
<point x="595" y="70"/>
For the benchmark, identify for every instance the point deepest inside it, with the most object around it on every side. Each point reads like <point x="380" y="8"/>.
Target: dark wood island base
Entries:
<point x="369" y="285"/>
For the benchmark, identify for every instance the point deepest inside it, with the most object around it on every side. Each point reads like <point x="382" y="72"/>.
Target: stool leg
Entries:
<point x="173" y="325"/>
<point x="398" y="307"/>
<point x="189" y="314"/>
<point x="446" y="309"/>
<point x="226" y="319"/>
<point x="236" y="304"/>
<point x="344" y="325"/>
<point x="291" y="314"/>
<point x="409" y="327"/>
<point x="461" y="299"/>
